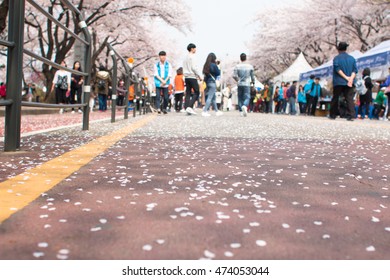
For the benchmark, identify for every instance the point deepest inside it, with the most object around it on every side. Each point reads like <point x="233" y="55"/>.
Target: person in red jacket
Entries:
<point x="3" y="91"/>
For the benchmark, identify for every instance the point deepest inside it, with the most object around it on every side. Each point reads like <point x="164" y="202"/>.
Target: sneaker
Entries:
<point x="61" y="111"/>
<point x="158" y="111"/>
<point x="182" y="111"/>
<point x="73" y="112"/>
<point x="219" y="113"/>
<point x="80" y="111"/>
<point x="205" y="114"/>
<point x="165" y="112"/>
<point x="244" y="110"/>
<point x="190" y="111"/>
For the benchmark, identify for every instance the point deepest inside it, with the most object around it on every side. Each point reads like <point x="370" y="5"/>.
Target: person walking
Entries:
<point x="211" y="72"/>
<point x="244" y="76"/>
<point x="102" y="83"/>
<point x="344" y="73"/>
<point x="191" y="76"/>
<point x="76" y="86"/>
<point x="162" y="80"/>
<point x="61" y="82"/>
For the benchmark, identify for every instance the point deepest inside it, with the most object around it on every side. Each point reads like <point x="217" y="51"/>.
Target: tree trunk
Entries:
<point x="3" y="15"/>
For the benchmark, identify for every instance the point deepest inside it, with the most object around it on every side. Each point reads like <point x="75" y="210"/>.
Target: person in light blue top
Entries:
<point x="307" y="89"/>
<point x="301" y="100"/>
<point x="315" y="93"/>
<point x="162" y="79"/>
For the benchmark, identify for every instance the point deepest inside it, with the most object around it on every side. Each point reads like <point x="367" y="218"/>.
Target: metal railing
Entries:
<point x="16" y="49"/>
<point x="131" y="78"/>
<point x="14" y="75"/>
<point x="128" y="72"/>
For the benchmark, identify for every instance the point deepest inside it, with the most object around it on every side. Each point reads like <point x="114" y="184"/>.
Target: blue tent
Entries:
<point x="377" y="59"/>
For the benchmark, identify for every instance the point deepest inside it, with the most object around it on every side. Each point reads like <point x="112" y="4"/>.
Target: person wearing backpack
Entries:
<point x="61" y="82"/>
<point x="365" y="94"/>
<point x="102" y="82"/>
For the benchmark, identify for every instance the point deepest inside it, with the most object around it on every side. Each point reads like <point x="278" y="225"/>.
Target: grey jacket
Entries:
<point x="190" y="68"/>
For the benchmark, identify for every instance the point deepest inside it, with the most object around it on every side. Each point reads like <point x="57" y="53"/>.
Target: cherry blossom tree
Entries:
<point x="122" y="23"/>
<point x="315" y="28"/>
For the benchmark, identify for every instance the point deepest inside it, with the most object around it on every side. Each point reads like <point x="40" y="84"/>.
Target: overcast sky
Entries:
<point x="224" y="27"/>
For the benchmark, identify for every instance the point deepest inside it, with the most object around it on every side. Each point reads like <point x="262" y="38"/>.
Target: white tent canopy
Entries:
<point x="300" y="65"/>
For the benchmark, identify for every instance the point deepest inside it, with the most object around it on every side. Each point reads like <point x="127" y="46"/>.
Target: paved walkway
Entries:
<point x="190" y="187"/>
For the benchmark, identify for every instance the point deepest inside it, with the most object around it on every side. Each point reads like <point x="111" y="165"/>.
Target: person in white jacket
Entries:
<point x="61" y="82"/>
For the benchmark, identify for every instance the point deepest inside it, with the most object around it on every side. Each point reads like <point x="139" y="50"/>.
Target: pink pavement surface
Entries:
<point x="32" y="123"/>
<point x="188" y="188"/>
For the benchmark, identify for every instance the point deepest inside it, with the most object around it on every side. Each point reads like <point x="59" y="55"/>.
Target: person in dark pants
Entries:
<point x="162" y="80"/>
<point x="191" y="75"/>
<point x="315" y="94"/>
<point x="344" y="73"/>
<point x="366" y="98"/>
<point x="76" y="86"/>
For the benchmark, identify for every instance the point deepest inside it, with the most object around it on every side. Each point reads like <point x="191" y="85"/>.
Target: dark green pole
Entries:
<point x="14" y="75"/>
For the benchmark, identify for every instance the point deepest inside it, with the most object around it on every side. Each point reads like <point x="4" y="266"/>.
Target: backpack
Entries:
<point x="360" y="86"/>
<point x="62" y="82"/>
<point x="101" y="84"/>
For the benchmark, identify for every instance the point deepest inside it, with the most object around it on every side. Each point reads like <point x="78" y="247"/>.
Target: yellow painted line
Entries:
<point x="21" y="190"/>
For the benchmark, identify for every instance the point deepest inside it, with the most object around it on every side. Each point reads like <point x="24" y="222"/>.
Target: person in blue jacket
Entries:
<point x="315" y="93"/>
<point x="211" y="72"/>
<point x="301" y="100"/>
<point x="344" y="73"/>
<point x="307" y="89"/>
